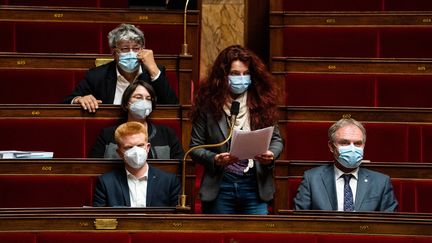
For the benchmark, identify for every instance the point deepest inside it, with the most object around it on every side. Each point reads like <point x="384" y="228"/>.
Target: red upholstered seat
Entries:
<point x="307" y="141"/>
<point x="332" y="5"/>
<point x="83" y="237"/>
<point x="412" y="5"/>
<point x="70" y="3"/>
<point x="330" y="42"/>
<point x="406" y="42"/>
<point x="292" y="187"/>
<point x="36" y="86"/>
<point x="64" y="137"/>
<point x="63" y="37"/>
<point x="45" y="191"/>
<point x="386" y="142"/>
<point x="162" y="39"/>
<point x="404" y="91"/>
<point x="343" y="238"/>
<point x="7" y="40"/>
<point x="59" y="3"/>
<point x="390" y="142"/>
<point x="275" y="237"/>
<point x="17" y="237"/>
<point x="329" y="90"/>
<point x="177" y="237"/>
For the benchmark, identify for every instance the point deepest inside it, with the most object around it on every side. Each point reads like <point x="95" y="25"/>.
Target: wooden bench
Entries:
<point x="411" y="182"/>
<point x="84" y="31"/>
<point x="133" y="226"/>
<point x="393" y="134"/>
<point x="67" y="130"/>
<point x="48" y="78"/>
<point x="68" y="182"/>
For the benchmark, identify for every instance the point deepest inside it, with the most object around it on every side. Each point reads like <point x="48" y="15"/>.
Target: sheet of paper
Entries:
<point x="15" y="154"/>
<point x="247" y="144"/>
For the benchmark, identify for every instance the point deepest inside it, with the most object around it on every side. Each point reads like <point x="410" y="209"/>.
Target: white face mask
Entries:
<point x="140" y="109"/>
<point x="135" y="157"/>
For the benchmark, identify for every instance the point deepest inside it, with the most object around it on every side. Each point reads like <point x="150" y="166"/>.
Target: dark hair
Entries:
<point x="131" y="88"/>
<point x="214" y="92"/>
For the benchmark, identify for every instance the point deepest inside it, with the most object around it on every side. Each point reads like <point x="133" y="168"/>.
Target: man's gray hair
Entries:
<point x="342" y="123"/>
<point x="125" y="32"/>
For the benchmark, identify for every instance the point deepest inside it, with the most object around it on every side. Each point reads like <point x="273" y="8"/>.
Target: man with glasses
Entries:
<point x="106" y="83"/>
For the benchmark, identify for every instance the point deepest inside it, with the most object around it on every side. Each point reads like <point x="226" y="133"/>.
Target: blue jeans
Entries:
<point x="237" y="195"/>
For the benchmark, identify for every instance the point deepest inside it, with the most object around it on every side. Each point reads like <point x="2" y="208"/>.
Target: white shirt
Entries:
<point x="340" y="183"/>
<point x="123" y="83"/>
<point x="137" y="189"/>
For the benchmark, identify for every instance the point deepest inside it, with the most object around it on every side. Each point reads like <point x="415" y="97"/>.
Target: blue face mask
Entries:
<point x="239" y="83"/>
<point x="128" y="61"/>
<point x="350" y="156"/>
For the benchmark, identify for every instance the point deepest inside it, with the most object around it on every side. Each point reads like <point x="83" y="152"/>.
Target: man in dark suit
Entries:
<point x="137" y="184"/>
<point x="106" y="84"/>
<point x="344" y="186"/>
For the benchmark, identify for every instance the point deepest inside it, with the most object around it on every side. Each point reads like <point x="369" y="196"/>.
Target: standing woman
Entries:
<point x="138" y="101"/>
<point x="229" y="186"/>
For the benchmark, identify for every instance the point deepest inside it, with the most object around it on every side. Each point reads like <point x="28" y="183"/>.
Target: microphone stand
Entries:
<point x="182" y="197"/>
<point x="185" y="45"/>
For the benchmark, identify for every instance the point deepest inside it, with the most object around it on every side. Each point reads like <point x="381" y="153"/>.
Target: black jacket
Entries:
<point x="101" y="83"/>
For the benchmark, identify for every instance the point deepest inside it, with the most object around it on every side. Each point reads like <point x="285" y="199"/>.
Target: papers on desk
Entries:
<point x="15" y="154"/>
<point x="247" y="144"/>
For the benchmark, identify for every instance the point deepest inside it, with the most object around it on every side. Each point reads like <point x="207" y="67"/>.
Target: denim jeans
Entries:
<point x="237" y="195"/>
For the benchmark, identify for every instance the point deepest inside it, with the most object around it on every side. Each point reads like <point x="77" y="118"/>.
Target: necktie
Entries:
<point x="348" y="196"/>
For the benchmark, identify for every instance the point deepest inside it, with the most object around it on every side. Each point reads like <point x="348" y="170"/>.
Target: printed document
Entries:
<point x="247" y="144"/>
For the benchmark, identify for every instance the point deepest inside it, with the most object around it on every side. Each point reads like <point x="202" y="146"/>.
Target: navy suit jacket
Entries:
<point x="317" y="191"/>
<point x="101" y="83"/>
<point x="112" y="189"/>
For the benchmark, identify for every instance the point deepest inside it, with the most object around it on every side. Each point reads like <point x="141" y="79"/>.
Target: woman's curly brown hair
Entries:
<point x="214" y="92"/>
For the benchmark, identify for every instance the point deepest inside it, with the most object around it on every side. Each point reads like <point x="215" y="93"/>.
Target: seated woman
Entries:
<point x="138" y="100"/>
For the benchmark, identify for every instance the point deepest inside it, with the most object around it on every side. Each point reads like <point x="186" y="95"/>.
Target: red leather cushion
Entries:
<point x="35" y="86"/>
<point x="45" y="191"/>
<point x="83" y="237"/>
<point x="330" y="42"/>
<point x="64" y="137"/>
<point x="330" y="90"/>
<point x="331" y="5"/>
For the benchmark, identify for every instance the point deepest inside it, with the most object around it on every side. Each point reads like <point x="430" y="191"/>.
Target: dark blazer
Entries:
<point x="317" y="191"/>
<point x="206" y="130"/>
<point x="101" y="83"/>
<point x="112" y="189"/>
<point x="163" y="140"/>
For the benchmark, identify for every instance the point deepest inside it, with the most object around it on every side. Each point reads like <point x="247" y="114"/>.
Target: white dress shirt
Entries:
<point x="123" y="83"/>
<point x="340" y="183"/>
<point x="137" y="189"/>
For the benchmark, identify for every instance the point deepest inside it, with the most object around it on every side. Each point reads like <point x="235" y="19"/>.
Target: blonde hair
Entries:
<point x="130" y="128"/>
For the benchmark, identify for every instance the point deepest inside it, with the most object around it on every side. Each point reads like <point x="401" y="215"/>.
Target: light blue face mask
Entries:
<point x="128" y="61"/>
<point x="350" y="156"/>
<point x="239" y="83"/>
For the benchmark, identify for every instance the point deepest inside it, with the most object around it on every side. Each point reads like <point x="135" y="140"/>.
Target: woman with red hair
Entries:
<point x="230" y="185"/>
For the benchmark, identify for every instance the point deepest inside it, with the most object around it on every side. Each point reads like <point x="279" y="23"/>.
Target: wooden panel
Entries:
<point x="179" y="65"/>
<point x="400" y="225"/>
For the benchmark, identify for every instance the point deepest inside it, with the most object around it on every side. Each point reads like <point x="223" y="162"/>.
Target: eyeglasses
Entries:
<point x="127" y="49"/>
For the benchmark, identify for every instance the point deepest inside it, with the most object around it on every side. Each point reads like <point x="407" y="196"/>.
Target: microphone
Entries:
<point x="185" y="45"/>
<point x="235" y="107"/>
